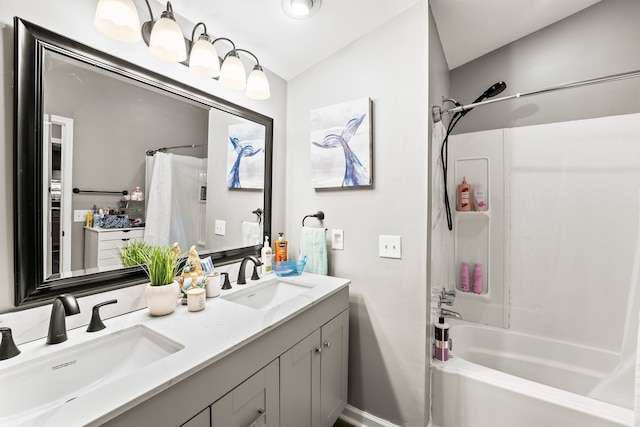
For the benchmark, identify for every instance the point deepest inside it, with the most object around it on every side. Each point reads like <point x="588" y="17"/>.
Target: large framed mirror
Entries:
<point x="167" y="162"/>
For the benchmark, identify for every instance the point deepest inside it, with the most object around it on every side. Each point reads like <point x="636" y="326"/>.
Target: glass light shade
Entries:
<point x="258" y="85"/>
<point x="204" y="59"/>
<point x="167" y="42"/>
<point x="118" y="19"/>
<point x="232" y="74"/>
<point x="301" y="7"/>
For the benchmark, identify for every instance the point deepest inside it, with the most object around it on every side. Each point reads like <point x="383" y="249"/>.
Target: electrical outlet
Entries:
<point x="220" y="227"/>
<point x="80" y="215"/>
<point x="390" y="247"/>
<point x="337" y="239"/>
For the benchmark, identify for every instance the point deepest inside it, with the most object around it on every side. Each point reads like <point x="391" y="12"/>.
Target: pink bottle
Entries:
<point x="464" y="277"/>
<point x="477" y="279"/>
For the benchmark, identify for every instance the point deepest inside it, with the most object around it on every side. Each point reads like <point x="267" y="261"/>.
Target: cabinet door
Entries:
<point x="300" y="384"/>
<point x="334" y="368"/>
<point x="203" y="419"/>
<point x="254" y="403"/>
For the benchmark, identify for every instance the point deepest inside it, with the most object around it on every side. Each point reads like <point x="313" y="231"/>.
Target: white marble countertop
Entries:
<point x="207" y="336"/>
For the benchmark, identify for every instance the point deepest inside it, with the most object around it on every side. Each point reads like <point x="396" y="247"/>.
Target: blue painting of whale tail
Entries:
<point x="332" y="167"/>
<point x="245" y="156"/>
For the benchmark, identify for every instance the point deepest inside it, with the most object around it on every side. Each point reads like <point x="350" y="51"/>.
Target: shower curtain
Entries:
<point x="174" y="211"/>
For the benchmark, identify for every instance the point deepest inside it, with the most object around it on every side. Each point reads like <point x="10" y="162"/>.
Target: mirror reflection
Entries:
<point x="108" y="152"/>
<point x="160" y="144"/>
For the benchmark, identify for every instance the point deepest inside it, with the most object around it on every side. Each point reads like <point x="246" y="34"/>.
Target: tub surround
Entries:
<point x="223" y="329"/>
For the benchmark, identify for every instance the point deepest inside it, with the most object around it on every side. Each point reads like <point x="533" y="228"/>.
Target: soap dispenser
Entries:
<point x="265" y="254"/>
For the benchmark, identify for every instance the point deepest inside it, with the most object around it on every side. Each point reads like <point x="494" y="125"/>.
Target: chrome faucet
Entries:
<point x="64" y="305"/>
<point x="256" y="262"/>
<point x="446" y="297"/>
<point x="8" y="348"/>
<point x="445" y="312"/>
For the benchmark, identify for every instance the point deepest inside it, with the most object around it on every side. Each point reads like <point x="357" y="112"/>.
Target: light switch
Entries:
<point x="390" y="247"/>
<point x="80" y="215"/>
<point x="337" y="239"/>
<point x="220" y="227"/>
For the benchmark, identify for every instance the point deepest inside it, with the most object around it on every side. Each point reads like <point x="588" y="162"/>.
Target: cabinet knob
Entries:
<point x="319" y="350"/>
<point x="261" y="414"/>
<point x="327" y="344"/>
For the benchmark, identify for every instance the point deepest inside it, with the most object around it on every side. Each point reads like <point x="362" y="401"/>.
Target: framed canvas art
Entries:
<point x="342" y="145"/>
<point x="245" y="156"/>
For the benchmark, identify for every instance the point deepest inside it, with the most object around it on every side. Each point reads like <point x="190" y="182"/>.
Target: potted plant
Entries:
<point x="161" y="265"/>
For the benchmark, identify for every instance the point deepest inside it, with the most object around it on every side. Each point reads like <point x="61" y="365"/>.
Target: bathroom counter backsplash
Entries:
<point x="207" y="336"/>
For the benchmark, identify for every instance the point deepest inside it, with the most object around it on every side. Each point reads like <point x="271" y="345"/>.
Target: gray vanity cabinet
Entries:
<point x="313" y="376"/>
<point x="254" y="403"/>
<point x="306" y="356"/>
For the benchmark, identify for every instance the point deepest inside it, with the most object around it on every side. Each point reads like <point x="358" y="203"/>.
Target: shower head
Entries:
<point x="494" y="90"/>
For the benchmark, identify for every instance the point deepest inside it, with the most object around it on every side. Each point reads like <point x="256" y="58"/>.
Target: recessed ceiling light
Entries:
<point x="301" y="9"/>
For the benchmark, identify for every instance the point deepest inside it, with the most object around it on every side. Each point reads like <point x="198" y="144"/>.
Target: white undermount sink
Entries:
<point x="48" y="382"/>
<point x="269" y="294"/>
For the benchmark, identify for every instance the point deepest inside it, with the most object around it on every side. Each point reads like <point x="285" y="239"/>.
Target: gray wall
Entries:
<point x="387" y="352"/>
<point x="601" y="40"/>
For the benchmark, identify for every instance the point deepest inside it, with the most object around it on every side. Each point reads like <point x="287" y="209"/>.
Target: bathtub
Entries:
<point x="501" y="378"/>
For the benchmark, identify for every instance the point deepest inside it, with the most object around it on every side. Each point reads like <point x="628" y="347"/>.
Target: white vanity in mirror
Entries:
<point x="102" y="245"/>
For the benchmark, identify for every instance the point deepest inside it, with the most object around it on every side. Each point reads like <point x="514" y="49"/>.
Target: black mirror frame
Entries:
<point x="30" y="41"/>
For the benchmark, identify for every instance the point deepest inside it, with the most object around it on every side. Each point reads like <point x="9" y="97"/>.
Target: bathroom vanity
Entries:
<point x="269" y="353"/>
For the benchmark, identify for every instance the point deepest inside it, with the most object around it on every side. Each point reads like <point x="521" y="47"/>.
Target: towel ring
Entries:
<point x="319" y="215"/>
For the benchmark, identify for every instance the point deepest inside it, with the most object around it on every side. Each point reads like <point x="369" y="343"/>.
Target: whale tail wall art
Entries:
<point x="245" y="167"/>
<point x="341" y="145"/>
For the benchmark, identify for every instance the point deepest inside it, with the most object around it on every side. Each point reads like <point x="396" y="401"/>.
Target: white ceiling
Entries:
<point x="468" y="28"/>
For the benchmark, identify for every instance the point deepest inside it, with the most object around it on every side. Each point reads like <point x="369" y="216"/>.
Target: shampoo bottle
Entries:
<point x="479" y="198"/>
<point x="281" y="249"/>
<point x="464" y="196"/>
<point x="477" y="279"/>
<point x="464" y="277"/>
<point x="266" y="257"/>
<point x="442" y="340"/>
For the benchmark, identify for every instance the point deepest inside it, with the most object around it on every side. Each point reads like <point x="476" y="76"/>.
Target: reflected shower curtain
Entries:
<point x="174" y="211"/>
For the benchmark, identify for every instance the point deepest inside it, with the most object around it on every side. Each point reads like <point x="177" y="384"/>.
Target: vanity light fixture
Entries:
<point x="166" y="40"/>
<point x="204" y="60"/>
<point x="301" y="9"/>
<point x="119" y="20"/>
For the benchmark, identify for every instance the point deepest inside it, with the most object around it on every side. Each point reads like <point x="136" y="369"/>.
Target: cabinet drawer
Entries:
<point x="115" y="244"/>
<point x="121" y="234"/>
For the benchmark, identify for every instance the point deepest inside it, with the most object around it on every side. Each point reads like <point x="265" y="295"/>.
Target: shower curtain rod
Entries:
<point x="163" y="149"/>
<point x="437" y="112"/>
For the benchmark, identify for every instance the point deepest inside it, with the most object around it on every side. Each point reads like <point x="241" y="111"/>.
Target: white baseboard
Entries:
<point x="360" y="418"/>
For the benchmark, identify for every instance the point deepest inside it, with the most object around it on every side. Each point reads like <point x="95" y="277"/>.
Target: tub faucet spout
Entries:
<point x="445" y="312"/>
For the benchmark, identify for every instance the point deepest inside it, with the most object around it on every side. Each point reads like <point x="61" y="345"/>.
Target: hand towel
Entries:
<point x="250" y="233"/>
<point x="313" y="245"/>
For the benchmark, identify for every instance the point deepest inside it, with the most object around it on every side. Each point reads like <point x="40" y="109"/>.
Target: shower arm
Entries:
<point x="437" y="112"/>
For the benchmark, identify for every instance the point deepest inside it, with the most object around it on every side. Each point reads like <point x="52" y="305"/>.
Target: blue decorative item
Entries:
<point x="345" y="126"/>
<point x="289" y="268"/>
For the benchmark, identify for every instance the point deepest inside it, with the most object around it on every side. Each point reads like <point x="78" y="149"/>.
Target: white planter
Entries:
<point x="162" y="300"/>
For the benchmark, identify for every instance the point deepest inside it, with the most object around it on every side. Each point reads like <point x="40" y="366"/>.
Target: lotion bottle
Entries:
<point x="464" y="196"/>
<point x="442" y="340"/>
<point x="266" y="257"/>
<point x="281" y="248"/>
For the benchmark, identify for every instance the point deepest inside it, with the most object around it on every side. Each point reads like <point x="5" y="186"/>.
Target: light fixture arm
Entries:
<point x="150" y="11"/>
<point x="193" y="33"/>
<point x="254" y="57"/>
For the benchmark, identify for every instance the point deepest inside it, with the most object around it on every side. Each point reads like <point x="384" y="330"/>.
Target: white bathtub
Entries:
<point x="502" y="378"/>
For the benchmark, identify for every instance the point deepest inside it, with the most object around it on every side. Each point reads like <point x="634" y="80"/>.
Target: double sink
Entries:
<point x="52" y="380"/>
